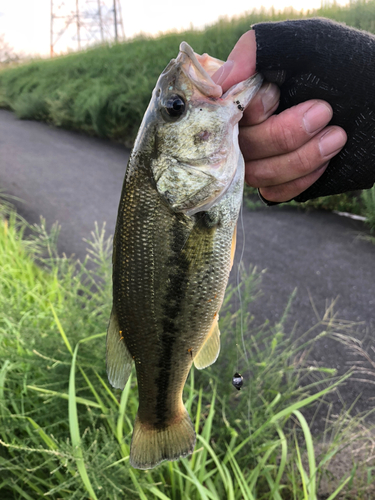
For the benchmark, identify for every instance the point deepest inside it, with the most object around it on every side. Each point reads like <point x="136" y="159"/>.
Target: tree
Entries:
<point x="7" y="54"/>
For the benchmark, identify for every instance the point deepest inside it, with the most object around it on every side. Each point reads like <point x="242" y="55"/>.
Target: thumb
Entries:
<point x="241" y="62"/>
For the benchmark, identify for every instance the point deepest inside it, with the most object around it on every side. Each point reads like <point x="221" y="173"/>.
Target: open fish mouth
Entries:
<point x="199" y="70"/>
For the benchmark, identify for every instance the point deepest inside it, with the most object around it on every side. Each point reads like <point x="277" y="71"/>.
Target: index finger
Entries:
<point x="241" y="62"/>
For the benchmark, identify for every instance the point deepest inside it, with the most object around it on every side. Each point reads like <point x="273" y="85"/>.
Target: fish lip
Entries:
<point x="202" y="80"/>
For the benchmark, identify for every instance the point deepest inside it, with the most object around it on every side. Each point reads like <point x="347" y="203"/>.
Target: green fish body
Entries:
<point x="173" y="248"/>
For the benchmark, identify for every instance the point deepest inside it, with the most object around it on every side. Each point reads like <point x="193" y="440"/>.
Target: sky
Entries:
<point x="26" y="23"/>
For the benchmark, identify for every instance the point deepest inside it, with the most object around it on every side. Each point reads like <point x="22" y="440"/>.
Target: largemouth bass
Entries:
<point x="174" y="247"/>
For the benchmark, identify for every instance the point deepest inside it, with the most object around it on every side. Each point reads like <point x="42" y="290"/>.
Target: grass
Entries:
<point x="65" y="433"/>
<point x="354" y="202"/>
<point x="368" y="198"/>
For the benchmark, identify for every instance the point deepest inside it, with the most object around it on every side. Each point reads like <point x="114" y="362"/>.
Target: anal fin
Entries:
<point x="233" y="248"/>
<point x="119" y="360"/>
<point x="210" y="349"/>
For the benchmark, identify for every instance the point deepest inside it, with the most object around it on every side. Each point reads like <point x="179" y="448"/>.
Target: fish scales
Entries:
<point x="177" y="298"/>
<point x="173" y="250"/>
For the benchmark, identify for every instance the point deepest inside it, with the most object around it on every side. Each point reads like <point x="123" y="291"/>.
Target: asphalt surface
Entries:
<point x="77" y="180"/>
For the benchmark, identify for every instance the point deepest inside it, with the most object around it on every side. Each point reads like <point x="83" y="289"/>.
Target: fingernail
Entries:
<point x="331" y="142"/>
<point x="223" y="72"/>
<point x="270" y="96"/>
<point x="316" y="117"/>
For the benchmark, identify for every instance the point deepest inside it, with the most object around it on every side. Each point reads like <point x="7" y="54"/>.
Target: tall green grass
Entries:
<point x="105" y="90"/>
<point x="368" y="198"/>
<point x="65" y="433"/>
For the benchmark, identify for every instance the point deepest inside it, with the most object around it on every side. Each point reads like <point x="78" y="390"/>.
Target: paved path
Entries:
<point x="77" y="180"/>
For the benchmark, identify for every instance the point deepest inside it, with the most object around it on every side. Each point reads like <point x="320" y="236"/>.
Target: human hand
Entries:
<point x="286" y="153"/>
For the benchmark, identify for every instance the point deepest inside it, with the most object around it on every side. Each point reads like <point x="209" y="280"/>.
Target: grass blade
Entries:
<point x="310" y="454"/>
<point x="191" y="477"/>
<point x="339" y="488"/>
<point x="283" y="460"/>
<point x="158" y="493"/>
<point x="63" y="395"/>
<point x="121" y="418"/>
<point x="301" y="471"/>
<point x="61" y="330"/>
<point x="244" y="487"/>
<point x="138" y="487"/>
<point x="219" y="466"/>
<point x="74" y="428"/>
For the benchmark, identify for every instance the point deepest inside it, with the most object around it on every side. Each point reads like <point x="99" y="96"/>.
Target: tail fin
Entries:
<point x="151" y="445"/>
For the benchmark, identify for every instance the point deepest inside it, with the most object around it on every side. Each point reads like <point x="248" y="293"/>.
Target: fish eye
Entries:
<point x="173" y="107"/>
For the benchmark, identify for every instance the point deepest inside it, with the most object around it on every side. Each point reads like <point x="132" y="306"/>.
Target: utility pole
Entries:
<point x="100" y="21"/>
<point x="78" y="27"/>
<point x="119" y="16"/>
<point x="115" y="19"/>
<point x="51" y="31"/>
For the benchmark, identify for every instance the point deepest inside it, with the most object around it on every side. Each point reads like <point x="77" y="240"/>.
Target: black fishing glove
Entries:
<point x="321" y="59"/>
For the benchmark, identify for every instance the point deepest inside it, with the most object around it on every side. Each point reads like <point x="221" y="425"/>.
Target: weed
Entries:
<point x="66" y="434"/>
<point x="368" y="197"/>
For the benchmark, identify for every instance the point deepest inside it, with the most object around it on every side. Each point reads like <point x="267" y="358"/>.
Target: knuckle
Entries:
<point x="254" y="176"/>
<point x="283" y="135"/>
<point x="251" y="180"/>
<point x="302" y="161"/>
<point x="253" y="114"/>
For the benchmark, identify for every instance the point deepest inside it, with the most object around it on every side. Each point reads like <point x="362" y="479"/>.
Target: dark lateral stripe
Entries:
<point x="178" y="267"/>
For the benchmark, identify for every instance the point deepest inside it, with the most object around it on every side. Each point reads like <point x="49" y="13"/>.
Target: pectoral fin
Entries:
<point x="210" y="349"/>
<point x="119" y="360"/>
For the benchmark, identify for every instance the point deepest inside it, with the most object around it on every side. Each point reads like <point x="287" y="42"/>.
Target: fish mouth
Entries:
<point x="192" y="65"/>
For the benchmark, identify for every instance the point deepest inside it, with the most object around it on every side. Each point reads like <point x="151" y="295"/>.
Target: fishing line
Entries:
<point x="239" y="286"/>
<point x="240" y="264"/>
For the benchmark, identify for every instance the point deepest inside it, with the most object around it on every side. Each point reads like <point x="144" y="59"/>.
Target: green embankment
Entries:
<point x="105" y="90"/>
